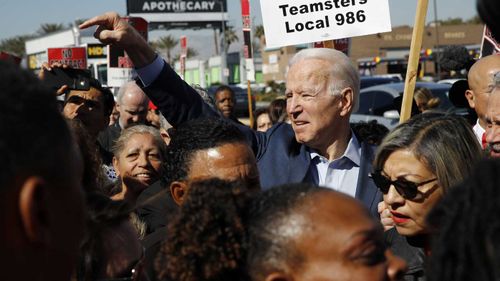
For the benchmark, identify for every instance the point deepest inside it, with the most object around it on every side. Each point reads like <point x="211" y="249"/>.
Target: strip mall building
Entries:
<point x="387" y="53"/>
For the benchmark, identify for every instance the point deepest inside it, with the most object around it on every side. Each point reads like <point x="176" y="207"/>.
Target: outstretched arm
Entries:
<point x="112" y="29"/>
<point x="177" y="101"/>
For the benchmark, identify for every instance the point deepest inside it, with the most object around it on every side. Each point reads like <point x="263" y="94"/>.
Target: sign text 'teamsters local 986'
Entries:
<point x="292" y="22"/>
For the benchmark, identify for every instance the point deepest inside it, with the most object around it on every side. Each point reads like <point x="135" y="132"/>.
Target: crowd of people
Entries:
<point x="165" y="183"/>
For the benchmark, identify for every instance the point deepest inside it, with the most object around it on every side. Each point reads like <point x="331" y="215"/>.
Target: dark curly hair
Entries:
<point x="467" y="244"/>
<point x="206" y="240"/>
<point x="103" y="214"/>
<point x="268" y="249"/>
<point x="193" y="136"/>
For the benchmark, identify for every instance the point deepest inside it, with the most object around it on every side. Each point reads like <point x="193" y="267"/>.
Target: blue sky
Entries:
<point x="25" y="16"/>
<point x="18" y="17"/>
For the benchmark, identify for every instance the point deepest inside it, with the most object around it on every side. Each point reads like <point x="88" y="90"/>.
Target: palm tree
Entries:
<point x="190" y="53"/>
<point x="258" y="33"/>
<point x="230" y="36"/>
<point x="15" y="45"/>
<point x="166" y="43"/>
<point x="47" y="28"/>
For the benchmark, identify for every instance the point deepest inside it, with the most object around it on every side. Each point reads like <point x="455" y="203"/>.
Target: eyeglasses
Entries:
<point x="134" y="273"/>
<point x="407" y="189"/>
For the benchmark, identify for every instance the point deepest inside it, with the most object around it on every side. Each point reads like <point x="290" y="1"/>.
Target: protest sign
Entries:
<point x="75" y="57"/>
<point x="292" y="22"/>
<point x="490" y="44"/>
<point x="248" y="53"/>
<point x="120" y="67"/>
<point x="184" y="51"/>
<point x="10" y="57"/>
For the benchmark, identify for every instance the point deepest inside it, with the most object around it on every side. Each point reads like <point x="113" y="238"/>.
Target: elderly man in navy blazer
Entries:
<point x="322" y="91"/>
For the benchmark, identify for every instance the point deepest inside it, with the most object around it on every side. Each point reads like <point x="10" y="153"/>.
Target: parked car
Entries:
<point x="377" y="102"/>
<point x="241" y="106"/>
<point x="368" y="81"/>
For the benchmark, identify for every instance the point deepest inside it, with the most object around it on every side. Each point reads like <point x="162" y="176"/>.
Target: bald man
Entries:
<point x="481" y="85"/>
<point x="132" y="104"/>
<point x="493" y="120"/>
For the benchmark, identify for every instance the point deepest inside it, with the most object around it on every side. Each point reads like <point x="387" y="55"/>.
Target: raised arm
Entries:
<point x="176" y="100"/>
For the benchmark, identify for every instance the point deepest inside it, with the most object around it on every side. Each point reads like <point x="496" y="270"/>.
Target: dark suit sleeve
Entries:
<point x="176" y="100"/>
<point x="179" y="103"/>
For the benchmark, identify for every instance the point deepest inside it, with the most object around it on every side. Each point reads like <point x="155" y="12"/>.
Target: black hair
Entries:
<point x="93" y="178"/>
<point x="256" y="114"/>
<point x="206" y="239"/>
<point x="194" y="136"/>
<point x="103" y="214"/>
<point x="33" y="134"/>
<point x="225" y="232"/>
<point x="268" y="248"/>
<point x="467" y="244"/>
<point x="277" y="110"/>
<point x="107" y="98"/>
<point x="224" y="88"/>
<point x="370" y="132"/>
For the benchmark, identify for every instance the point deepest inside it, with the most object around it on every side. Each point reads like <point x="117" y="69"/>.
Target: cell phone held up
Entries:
<point x="75" y="79"/>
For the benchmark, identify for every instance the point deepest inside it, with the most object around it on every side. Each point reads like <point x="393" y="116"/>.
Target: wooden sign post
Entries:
<point x="248" y="53"/>
<point x="413" y="60"/>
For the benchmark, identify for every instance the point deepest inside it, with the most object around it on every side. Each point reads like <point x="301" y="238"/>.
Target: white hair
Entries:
<point x="127" y="87"/>
<point x="343" y="73"/>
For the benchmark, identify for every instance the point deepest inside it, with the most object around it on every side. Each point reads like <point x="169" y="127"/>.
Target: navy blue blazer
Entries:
<point x="280" y="158"/>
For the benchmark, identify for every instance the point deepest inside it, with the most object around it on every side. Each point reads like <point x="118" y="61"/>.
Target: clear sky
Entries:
<point x="25" y="16"/>
<point x="18" y="17"/>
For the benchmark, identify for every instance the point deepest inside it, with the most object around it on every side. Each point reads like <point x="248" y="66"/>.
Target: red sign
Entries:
<point x="183" y="41"/>
<point x="76" y="57"/>
<point x="9" y="57"/>
<point x="119" y="64"/>
<point x="184" y="47"/>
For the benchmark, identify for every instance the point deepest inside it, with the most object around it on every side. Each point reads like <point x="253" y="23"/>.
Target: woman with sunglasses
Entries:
<point x="415" y="165"/>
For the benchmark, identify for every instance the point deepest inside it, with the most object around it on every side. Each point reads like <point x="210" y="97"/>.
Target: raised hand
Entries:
<point x="112" y="29"/>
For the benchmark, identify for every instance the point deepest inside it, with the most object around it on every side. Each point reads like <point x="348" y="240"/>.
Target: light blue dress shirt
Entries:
<point x="150" y="72"/>
<point x="340" y="174"/>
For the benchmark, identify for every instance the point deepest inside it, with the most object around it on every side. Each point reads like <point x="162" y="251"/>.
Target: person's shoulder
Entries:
<point x="281" y="129"/>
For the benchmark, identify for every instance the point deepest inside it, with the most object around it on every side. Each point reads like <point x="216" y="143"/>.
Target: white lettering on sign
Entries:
<point x="291" y="22"/>
<point x="178" y="6"/>
<point x="454" y="35"/>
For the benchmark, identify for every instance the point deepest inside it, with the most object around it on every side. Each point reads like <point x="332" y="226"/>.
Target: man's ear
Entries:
<point x="178" y="189"/>
<point x="469" y="95"/>
<point x="33" y="210"/>
<point x="115" y="166"/>
<point x="346" y="102"/>
<point x="165" y="136"/>
<point x="278" y="276"/>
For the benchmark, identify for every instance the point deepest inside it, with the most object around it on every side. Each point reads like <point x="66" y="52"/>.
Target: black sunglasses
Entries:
<point x="407" y="189"/>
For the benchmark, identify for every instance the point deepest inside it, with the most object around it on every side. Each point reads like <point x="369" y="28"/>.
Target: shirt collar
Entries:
<point x="352" y="152"/>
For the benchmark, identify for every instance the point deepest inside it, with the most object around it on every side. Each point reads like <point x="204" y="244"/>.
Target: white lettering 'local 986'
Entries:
<point x="291" y="22"/>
